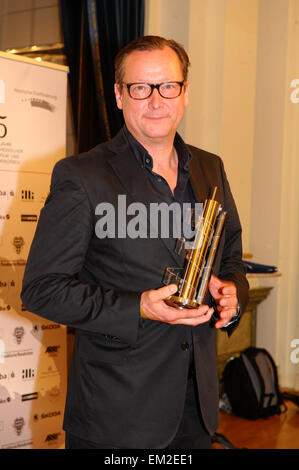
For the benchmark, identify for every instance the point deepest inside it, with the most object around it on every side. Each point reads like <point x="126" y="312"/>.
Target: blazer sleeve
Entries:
<point x="52" y="287"/>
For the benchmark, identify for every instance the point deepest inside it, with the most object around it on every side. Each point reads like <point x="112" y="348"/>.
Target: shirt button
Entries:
<point x="147" y="160"/>
<point x="159" y="180"/>
<point x="185" y="346"/>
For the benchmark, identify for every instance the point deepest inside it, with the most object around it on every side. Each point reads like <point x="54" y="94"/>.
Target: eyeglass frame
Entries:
<point x="153" y="86"/>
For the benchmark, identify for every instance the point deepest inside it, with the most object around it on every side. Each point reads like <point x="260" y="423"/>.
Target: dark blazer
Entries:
<point x="128" y="376"/>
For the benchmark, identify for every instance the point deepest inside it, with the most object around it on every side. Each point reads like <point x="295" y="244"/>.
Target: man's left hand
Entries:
<point x="225" y="296"/>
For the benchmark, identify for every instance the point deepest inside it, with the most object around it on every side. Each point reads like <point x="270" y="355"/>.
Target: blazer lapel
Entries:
<point x="198" y="181"/>
<point x="202" y="181"/>
<point x="128" y="170"/>
<point x="135" y="182"/>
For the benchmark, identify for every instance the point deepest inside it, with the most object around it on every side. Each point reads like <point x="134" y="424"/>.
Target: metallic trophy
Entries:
<point x="192" y="280"/>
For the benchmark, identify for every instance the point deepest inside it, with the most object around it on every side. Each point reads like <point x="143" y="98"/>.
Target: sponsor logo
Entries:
<point x="28" y="218"/>
<point x="13" y="262"/>
<point x="5" y="309"/>
<point x="18" y="425"/>
<point x="18" y="444"/>
<point x="7" y="375"/>
<point x="52" y="438"/>
<point x="38" y="103"/>
<point x="19" y="353"/>
<point x="18" y="333"/>
<point x="51" y="414"/>
<point x="52" y="326"/>
<point x="52" y="350"/>
<point x="18" y="243"/>
<point x="28" y="374"/>
<point x="7" y="194"/>
<point x="27" y="195"/>
<point x="29" y="396"/>
<point x="7" y="284"/>
<point x="5" y="217"/>
<point x="4" y="400"/>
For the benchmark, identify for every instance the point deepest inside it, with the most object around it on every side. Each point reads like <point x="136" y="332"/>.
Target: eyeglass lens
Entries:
<point x="144" y="90"/>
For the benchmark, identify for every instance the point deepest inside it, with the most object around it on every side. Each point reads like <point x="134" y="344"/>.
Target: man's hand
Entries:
<point x="154" y="308"/>
<point x="225" y="295"/>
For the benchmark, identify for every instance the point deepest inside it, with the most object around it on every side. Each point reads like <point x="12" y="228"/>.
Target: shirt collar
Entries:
<point x="144" y="158"/>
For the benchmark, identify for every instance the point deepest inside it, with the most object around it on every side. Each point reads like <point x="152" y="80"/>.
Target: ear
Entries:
<point x="186" y="92"/>
<point x="118" y="95"/>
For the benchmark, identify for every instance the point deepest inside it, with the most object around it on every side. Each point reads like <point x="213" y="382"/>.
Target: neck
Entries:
<point x="165" y="159"/>
<point x="163" y="154"/>
<point x="161" y="150"/>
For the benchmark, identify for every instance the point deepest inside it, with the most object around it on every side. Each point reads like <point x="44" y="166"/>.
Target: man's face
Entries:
<point x="155" y="119"/>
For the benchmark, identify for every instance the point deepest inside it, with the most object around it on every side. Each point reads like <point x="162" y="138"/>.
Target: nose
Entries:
<point x="155" y="99"/>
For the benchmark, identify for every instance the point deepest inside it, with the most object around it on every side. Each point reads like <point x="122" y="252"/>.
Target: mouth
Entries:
<point x="155" y="118"/>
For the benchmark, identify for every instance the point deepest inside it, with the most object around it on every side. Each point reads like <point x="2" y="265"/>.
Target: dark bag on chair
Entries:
<point x="250" y="382"/>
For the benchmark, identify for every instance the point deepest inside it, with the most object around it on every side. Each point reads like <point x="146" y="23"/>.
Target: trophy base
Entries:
<point x="180" y="302"/>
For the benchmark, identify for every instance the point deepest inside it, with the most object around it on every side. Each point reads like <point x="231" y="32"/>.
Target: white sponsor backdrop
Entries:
<point x="33" y="351"/>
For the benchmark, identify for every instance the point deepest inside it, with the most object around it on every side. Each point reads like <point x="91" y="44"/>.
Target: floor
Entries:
<point x="276" y="432"/>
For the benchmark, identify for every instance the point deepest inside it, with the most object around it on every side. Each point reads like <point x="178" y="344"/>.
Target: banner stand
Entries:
<point x="33" y="351"/>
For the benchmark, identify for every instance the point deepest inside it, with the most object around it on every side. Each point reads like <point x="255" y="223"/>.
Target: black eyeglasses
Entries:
<point x="142" y="91"/>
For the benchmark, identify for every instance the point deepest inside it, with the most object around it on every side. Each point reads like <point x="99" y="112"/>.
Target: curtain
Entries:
<point x="94" y="31"/>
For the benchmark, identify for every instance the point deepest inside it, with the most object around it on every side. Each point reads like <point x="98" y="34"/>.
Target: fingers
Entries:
<point x="187" y="316"/>
<point x="194" y="317"/>
<point x="190" y="316"/>
<point x="227" y="308"/>
<point x="154" y="308"/>
<point x="230" y="301"/>
<point x="225" y="295"/>
<point x="225" y="317"/>
<point x="229" y="289"/>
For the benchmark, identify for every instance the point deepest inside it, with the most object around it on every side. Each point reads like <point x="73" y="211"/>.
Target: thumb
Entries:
<point x="164" y="292"/>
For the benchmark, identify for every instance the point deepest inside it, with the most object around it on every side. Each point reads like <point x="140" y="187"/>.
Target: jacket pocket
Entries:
<point x="97" y="348"/>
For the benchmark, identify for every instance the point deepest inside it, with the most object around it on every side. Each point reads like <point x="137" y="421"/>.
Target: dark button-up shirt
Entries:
<point x="183" y="192"/>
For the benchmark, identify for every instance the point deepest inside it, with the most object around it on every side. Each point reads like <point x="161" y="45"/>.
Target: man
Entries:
<point x="143" y="374"/>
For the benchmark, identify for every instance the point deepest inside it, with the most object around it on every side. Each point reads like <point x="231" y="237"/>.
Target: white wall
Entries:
<point x="221" y="39"/>
<point x="244" y="55"/>
<point x="169" y="18"/>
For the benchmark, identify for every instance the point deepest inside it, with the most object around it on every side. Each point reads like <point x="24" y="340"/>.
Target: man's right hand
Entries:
<point x="154" y="308"/>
